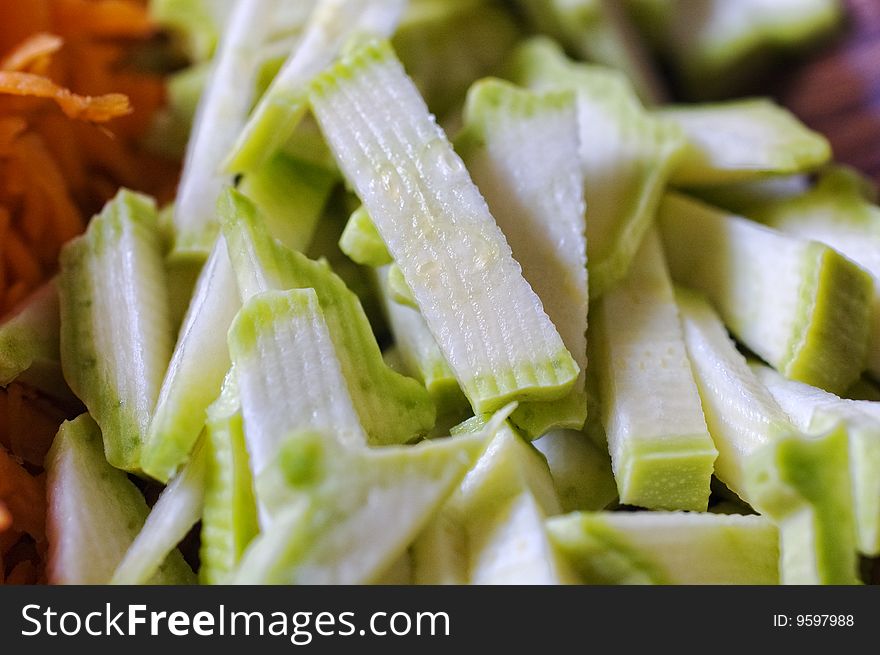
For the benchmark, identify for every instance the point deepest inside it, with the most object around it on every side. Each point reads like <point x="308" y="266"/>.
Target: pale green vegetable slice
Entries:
<point x="291" y="195"/>
<point x="421" y="357"/>
<point x="94" y="512"/>
<point x="361" y="241"/>
<point x="30" y="334"/>
<point x="801" y="482"/>
<point x="510" y="465"/>
<point x="343" y="516"/>
<point x="836" y="213"/>
<point x="115" y="328"/>
<point x="581" y="470"/>
<point x="514" y="548"/>
<point x="30" y="338"/>
<point x="491" y="530"/>
<point x="391" y="408"/>
<point x="399" y="289"/>
<point x="289" y="377"/>
<point x="665" y="548"/>
<point x="804" y="485"/>
<point x="198" y="364"/>
<point x="445" y="45"/>
<point x="739" y="410"/>
<point x="815" y="411"/>
<point x="660" y="446"/>
<point x="229" y="519"/>
<point x="221" y="114"/>
<point x="601" y="32"/>
<point x="870" y="407"/>
<point x="801" y="306"/>
<point x="487" y="321"/>
<point x="440" y="552"/>
<point x="719" y="47"/>
<point x="177" y="510"/>
<point x="626" y="154"/>
<point x="519" y="147"/>
<point x="742" y="139"/>
<point x="473" y="424"/>
<point x="503" y="502"/>
<point x="511" y="547"/>
<point x="332" y="24"/>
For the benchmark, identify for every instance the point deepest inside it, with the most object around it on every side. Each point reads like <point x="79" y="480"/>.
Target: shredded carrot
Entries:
<point x="97" y="109"/>
<point x="57" y="168"/>
<point x="21" y="20"/>
<point x="73" y="112"/>
<point x="33" y="55"/>
<point x="62" y="216"/>
<point x="10" y="128"/>
<point x="23" y="495"/>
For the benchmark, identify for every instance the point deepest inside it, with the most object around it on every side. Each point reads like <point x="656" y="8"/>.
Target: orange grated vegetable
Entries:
<point x="115" y="18"/>
<point x="97" y="109"/>
<point x="33" y="55"/>
<point x="57" y="168"/>
<point x="72" y="114"/>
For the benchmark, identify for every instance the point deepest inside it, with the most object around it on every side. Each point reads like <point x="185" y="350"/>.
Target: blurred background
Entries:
<point x="837" y="89"/>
